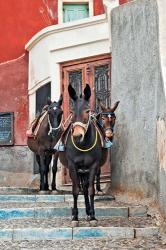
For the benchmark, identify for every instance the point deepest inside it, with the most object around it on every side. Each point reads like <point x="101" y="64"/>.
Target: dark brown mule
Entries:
<point x="84" y="154"/>
<point x="42" y="145"/>
<point x="106" y="119"/>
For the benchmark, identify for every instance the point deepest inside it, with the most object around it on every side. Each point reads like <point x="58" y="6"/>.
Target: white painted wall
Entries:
<point x="162" y="37"/>
<point x="59" y="43"/>
<point x="64" y="42"/>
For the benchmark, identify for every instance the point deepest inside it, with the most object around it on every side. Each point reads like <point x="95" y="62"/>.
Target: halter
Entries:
<point x="50" y="126"/>
<point x="83" y="125"/>
<point x="109" y="114"/>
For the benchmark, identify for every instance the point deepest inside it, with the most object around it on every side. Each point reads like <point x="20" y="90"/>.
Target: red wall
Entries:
<point x="14" y="96"/>
<point x="98" y="7"/>
<point x="124" y="1"/>
<point x="20" y="20"/>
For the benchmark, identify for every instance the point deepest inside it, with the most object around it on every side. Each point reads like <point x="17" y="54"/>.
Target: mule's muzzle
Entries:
<point x="78" y="131"/>
<point x="108" y="133"/>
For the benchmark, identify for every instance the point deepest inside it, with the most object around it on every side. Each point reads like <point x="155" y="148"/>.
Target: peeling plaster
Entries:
<point x="49" y="11"/>
<point x="161" y="143"/>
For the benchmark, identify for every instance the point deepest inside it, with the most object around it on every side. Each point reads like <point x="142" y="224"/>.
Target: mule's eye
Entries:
<point x="87" y="111"/>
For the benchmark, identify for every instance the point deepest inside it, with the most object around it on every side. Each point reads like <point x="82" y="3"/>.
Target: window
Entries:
<point x="70" y="10"/>
<point x="73" y="12"/>
<point x="42" y="95"/>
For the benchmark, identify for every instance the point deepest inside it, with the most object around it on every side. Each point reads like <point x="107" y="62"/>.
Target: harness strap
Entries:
<point x="54" y="129"/>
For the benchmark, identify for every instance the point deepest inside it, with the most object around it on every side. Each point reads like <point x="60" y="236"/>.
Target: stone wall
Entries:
<point x="16" y="168"/>
<point x="138" y="155"/>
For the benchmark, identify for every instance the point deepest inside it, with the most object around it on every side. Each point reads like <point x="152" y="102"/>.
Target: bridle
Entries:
<point x="109" y="114"/>
<point x="82" y="125"/>
<point x="51" y="129"/>
<point x="85" y="126"/>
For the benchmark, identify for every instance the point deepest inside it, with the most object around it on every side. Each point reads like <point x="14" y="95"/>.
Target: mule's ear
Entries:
<point x="115" y="106"/>
<point x="49" y="101"/>
<point x="60" y="100"/>
<point x="102" y="106"/>
<point x="98" y="116"/>
<point x="72" y="93"/>
<point x="87" y="92"/>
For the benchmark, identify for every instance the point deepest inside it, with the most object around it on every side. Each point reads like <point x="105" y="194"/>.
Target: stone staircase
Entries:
<point x="35" y="218"/>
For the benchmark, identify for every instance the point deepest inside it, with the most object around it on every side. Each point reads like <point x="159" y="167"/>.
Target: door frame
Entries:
<point x="86" y="78"/>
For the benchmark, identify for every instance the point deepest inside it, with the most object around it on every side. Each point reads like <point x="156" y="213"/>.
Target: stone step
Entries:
<point x="51" y="222"/>
<point x="85" y="244"/>
<point x="38" y="212"/>
<point x="19" y="234"/>
<point x="17" y="206"/>
<point x="60" y="228"/>
<point x="65" y="211"/>
<point x="48" y="198"/>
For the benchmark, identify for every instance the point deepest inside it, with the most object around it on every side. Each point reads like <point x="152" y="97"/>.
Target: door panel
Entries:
<point x="96" y="72"/>
<point x="102" y="88"/>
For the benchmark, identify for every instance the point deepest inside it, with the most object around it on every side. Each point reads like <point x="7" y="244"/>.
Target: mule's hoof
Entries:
<point x="88" y="218"/>
<point x="100" y="193"/>
<point x="93" y="223"/>
<point x="44" y="192"/>
<point x="75" y="223"/>
<point x="54" y="192"/>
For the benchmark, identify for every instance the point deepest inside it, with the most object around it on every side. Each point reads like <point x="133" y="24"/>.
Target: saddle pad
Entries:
<point x="39" y="121"/>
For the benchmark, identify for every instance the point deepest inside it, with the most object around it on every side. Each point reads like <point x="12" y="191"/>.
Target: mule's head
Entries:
<point x="80" y="112"/>
<point x="55" y="116"/>
<point x="108" y="119"/>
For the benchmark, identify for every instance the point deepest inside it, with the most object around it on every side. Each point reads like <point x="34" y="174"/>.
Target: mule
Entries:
<point x="106" y="119"/>
<point x="84" y="154"/>
<point x="42" y="145"/>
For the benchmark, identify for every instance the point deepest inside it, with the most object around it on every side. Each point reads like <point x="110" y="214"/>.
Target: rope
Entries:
<point x="84" y="150"/>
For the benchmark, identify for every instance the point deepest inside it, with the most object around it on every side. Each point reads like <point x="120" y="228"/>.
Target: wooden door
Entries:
<point x="96" y="72"/>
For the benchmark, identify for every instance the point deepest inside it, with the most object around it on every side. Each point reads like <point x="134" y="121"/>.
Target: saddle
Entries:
<point x="32" y="132"/>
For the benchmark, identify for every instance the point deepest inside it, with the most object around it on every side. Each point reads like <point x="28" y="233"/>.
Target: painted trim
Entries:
<point x="39" y="84"/>
<point x="64" y="27"/>
<point x="60" y="7"/>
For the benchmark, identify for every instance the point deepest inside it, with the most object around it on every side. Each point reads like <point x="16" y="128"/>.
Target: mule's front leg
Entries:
<point x="98" y="187"/>
<point x="92" y="175"/>
<point x="75" y="191"/>
<point x="48" y="159"/>
<point x="42" y="173"/>
<point x="54" y="171"/>
<point x="86" y="196"/>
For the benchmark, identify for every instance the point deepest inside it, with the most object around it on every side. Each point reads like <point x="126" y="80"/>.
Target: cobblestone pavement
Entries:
<point x="65" y="222"/>
<point x="90" y="244"/>
<point x="60" y="204"/>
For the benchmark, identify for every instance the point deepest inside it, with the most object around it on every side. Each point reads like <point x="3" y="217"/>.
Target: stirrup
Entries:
<point x="60" y="147"/>
<point x="107" y="143"/>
